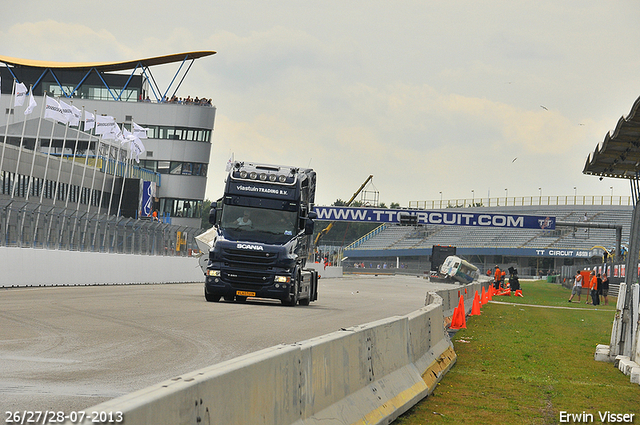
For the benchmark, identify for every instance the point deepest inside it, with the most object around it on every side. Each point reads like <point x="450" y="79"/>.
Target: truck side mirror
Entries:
<point x="212" y="213"/>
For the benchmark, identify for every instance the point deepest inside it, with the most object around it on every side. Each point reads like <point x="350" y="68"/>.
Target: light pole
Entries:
<point x="611" y="187"/>
<point x="540" y="195"/>
<point x="440" y="199"/>
<point x="473" y="198"/>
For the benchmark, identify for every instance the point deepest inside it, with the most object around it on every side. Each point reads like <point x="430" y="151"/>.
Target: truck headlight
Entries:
<point x="282" y="279"/>
<point x="213" y="273"/>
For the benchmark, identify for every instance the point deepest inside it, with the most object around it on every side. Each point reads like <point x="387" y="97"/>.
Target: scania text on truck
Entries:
<point x="262" y="236"/>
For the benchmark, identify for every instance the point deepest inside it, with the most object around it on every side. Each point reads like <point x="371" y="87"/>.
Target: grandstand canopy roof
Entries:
<point x="107" y="66"/>
<point x="619" y="154"/>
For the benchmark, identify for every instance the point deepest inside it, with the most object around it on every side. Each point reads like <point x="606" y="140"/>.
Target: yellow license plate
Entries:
<point x="245" y="294"/>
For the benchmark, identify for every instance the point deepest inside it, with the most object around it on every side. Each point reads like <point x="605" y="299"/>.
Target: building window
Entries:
<point x="176" y="167"/>
<point x="178" y="133"/>
<point x="187" y="169"/>
<point x="163" y="167"/>
<point x="181" y="207"/>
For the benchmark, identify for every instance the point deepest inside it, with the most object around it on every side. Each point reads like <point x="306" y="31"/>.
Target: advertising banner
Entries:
<point x="148" y="193"/>
<point x="452" y="218"/>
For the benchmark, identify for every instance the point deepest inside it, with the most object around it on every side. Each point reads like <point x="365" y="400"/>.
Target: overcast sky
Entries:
<point x="493" y="97"/>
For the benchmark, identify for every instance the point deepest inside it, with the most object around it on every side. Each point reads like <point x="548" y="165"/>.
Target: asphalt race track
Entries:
<point x="68" y="348"/>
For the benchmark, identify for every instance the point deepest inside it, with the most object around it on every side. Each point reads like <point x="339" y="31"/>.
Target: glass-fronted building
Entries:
<point x="177" y="146"/>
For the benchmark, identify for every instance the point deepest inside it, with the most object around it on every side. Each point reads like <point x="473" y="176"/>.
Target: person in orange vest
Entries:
<point x="496" y="277"/>
<point x="595" y="284"/>
<point x="590" y="285"/>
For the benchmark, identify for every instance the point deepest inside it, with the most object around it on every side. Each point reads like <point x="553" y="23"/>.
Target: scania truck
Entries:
<point x="261" y="236"/>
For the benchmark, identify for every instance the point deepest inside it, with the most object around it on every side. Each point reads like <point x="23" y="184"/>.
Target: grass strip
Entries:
<point x="522" y="364"/>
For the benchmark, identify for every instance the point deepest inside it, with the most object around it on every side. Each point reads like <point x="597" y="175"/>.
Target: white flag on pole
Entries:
<point x="105" y="124"/>
<point x="67" y="111"/>
<point x="21" y="93"/>
<point x="137" y="148"/>
<point x="126" y="134"/>
<point x="116" y="134"/>
<point x="229" y="163"/>
<point x="89" y="121"/>
<point x="53" y="110"/>
<point x="32" y="104"/>
<point x="139" y="131"/>
<point x="76" y="115"/>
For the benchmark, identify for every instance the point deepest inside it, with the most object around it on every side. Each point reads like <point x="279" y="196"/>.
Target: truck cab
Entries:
<point x="262" y="236"/>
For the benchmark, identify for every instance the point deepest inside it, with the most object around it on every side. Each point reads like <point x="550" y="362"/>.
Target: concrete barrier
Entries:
<point x="368" y="374"/>
<point x="326" y="272"/>
<point x="44" y="267"/>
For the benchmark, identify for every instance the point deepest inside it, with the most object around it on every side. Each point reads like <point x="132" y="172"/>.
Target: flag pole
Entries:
<point x="86" y="159"/>
<point x="44" y="179"/>
<point x="124" y="177"/>
<point x="55" y="194"/>
<point x="65" y="193"/>
<point x="35" y="148"/>
<point x="86" y="165"/>
<point x="73" y="163"/>
<point x="125" y="172"/>
<point x="113" y="185"/>
<point x="6" y="128"/>
<point x="16" y="177"/>
<point x="104" y="179"/>
<point x="33" y="161"/>
<point x="73" y="160"/>
<point x="93" y="178"/>
<point x="16" y="186"/>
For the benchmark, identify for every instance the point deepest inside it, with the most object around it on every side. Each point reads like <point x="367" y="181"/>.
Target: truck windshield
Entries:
<point x="258" y="224"/>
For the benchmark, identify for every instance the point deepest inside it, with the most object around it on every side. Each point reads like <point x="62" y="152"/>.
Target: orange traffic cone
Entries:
<point x="491" y="291"/>
<point x="459" y="321"/>
<point x="519" y="293"/>
<point x="483" y="298"/>
<point x="475" y="310"/>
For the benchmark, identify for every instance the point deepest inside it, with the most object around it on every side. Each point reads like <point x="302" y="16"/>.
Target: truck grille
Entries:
<point x="248" y="269"/>
<point x="253" y="260"/>
<point x="245" y="279"/>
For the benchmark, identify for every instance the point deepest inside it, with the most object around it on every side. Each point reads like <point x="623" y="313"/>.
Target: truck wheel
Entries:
<point x="305" y="301"/>
<point x="211" y="298"/>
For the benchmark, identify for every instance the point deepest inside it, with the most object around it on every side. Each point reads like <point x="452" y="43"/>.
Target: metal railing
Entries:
<point x="31" y="225"/>
<point x="522" y="201"/>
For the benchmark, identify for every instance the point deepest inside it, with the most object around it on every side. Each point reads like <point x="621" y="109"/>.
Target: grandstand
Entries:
<point x="533" y="252"/>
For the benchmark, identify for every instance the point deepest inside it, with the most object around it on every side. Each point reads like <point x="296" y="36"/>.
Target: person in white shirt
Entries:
<point x="577" y="286"/>
<point x="244" y="220"/>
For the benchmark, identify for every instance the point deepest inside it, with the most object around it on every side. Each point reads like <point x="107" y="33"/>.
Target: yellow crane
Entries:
<point x="326" y="229"/>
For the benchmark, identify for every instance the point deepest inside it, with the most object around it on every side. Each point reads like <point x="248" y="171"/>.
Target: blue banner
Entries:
<point x="455" y="217"/>
<point x="147" y="198"/>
